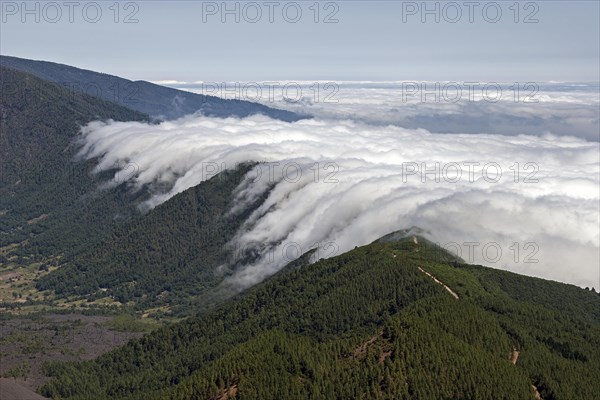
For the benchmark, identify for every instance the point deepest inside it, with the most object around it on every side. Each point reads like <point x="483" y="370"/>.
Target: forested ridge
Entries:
<point x="168" y="256"/>
<point x="50" y="202"/>
<point x="159" y="102"/>
<point x="366" y="324"/>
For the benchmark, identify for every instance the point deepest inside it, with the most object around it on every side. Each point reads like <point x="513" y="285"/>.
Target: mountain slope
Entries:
<point x="50" y="201"/>
<point x="157" y="101"/>
<point x="370" y="323"/>
<point x="39" y="121"/>
<point x="167" y="256"/>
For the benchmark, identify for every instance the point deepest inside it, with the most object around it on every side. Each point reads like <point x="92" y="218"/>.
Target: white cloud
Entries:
<point x="565" y="109"/>
<point x="366" y="187"/>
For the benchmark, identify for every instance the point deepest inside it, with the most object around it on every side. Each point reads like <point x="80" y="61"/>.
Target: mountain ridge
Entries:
<point x="41" y="184"/>
<point x="368" y="323"/>
<point x="159" y="102"/>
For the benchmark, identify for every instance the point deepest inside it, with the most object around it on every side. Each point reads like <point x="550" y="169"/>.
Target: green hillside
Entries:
<point x="49" y="202"/>
<point x="167" y="256"/>
<point x="371" y="323"/>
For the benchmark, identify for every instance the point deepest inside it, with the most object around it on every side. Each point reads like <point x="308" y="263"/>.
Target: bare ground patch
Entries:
<point x="26" y="343"/>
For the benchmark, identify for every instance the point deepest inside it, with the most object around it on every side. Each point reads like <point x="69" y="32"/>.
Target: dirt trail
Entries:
<point x="436" y="280"/>
<point x="385" y="355"/>
<point x="514" y="356"/>
<point x="362" y="349"/>
<point x="229" y="393"/>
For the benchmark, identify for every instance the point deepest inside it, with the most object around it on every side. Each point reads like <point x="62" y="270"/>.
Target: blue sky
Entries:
<point x="370" y="41"/>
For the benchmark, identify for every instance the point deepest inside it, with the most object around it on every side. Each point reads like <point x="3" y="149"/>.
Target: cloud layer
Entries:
<point x="336" y="184"/>
<point x="565" y="109"/>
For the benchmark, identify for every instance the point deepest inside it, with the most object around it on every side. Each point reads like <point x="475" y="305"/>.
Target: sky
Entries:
<point x="350" y="40"/>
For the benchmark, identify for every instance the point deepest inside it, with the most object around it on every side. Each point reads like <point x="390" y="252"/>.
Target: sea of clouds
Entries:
<point x="514" y="108"/>
<point x="524" y="200"/>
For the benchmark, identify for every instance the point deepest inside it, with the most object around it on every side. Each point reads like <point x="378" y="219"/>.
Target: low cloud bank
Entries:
<point x="528" y="204"/>
<point x="516" y="108"/>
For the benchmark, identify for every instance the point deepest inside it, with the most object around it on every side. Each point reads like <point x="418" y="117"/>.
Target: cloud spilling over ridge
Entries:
<point x="336" y="184"/>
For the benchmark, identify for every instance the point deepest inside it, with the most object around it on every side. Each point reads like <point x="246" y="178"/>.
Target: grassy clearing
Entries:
<point x="129" y="323"/>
